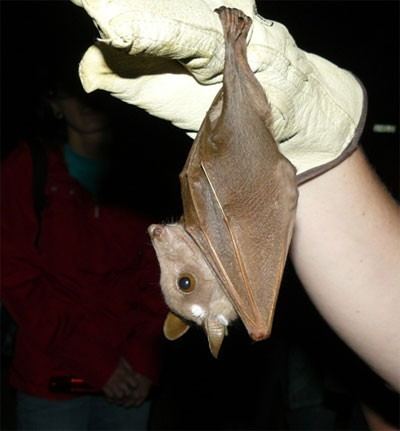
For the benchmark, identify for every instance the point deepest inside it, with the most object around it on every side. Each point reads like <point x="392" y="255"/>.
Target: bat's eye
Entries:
<point x="186" y="283"/>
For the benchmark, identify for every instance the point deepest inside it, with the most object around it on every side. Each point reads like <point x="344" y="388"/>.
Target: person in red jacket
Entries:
<point x="81" y="283"/>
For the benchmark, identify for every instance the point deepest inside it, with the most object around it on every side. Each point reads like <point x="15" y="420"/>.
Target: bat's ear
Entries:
<point x="174" y="327"/>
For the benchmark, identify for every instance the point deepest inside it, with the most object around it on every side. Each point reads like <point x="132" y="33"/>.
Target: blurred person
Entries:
<point x="79" y="278"/>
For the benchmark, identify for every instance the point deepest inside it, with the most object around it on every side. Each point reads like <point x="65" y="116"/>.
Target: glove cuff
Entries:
<point x="349" y="148"/>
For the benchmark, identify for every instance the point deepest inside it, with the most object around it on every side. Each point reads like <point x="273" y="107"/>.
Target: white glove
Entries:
<point x="167" y="57"/>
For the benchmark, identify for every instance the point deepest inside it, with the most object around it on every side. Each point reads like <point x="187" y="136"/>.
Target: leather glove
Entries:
<point x="167" y="57"/>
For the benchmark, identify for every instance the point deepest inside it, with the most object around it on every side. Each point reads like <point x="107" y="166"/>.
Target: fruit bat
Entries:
<point x="226" y="255"/>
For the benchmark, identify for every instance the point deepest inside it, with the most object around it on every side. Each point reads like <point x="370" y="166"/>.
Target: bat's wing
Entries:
<point x="239" y="196"/>
<point x="240" y="211"/>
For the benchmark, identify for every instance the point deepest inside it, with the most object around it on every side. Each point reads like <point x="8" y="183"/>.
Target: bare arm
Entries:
<point x="346" y="250"/>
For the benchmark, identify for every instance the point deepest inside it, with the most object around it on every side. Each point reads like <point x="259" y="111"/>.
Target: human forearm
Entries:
<point x="346" y="250"/>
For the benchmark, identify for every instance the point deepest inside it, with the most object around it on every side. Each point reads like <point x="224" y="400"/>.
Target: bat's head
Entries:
<point x="190" y="287"/>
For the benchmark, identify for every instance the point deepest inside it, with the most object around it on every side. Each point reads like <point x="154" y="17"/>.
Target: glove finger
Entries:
<point x="150" y="84"/>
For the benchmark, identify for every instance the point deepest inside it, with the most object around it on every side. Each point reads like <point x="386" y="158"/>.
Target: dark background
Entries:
<point x="247" y="388"/>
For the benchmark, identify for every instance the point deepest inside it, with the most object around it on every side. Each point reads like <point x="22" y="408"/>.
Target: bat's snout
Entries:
<point x="155" y="231"/>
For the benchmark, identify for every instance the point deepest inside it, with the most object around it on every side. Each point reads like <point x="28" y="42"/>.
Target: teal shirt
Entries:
<point x="86" y="171"/>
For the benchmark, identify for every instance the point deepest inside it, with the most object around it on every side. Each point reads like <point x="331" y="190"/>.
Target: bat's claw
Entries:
<point x="234" y="22"/>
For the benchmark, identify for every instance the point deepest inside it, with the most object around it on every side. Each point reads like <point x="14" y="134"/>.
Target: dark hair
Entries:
<point x="61" y="77"/>
<point x="56" y="77"/>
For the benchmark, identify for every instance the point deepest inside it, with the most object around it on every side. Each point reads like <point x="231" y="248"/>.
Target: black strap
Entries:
<point x="39" y="178"/>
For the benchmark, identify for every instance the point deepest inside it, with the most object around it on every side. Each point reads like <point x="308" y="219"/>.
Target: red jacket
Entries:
<point x="88" y="294"/>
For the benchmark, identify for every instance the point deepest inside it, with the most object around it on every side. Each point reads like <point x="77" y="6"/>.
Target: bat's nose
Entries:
<point x="155" y="230"/>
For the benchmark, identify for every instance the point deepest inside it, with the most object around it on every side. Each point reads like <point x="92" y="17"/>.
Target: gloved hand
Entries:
<point x="167" y="57"/>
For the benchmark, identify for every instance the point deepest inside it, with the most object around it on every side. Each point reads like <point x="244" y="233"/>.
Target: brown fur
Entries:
<point x="239" y="196"/>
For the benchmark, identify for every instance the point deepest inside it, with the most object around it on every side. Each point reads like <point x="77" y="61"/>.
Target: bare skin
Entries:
<point x="346" y="250"/>
<point x="377" y="422"/>
<point x="127" y="387"/>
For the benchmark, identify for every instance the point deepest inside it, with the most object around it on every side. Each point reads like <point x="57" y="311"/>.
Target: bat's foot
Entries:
<point x="155" y="230"/>
<point x="234" y="22"/>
